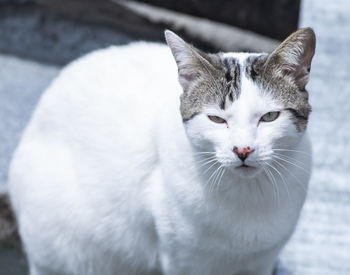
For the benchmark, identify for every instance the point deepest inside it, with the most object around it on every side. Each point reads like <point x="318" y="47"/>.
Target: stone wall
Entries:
<point x="274" y="18"/>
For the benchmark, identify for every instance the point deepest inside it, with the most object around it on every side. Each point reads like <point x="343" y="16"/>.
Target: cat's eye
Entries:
<point x="217" y="119"/>
<point x="270" y="116"/>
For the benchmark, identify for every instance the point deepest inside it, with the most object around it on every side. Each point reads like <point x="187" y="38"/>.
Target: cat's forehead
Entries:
<point x="242" y="63"/>
<point x="241" y="77"/>
<point x="240" y="57"/>
<point x="224" y="86"/>
<point x="244" y="94"/>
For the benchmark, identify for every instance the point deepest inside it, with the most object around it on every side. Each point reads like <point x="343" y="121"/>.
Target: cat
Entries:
<point x="135" y="164"/>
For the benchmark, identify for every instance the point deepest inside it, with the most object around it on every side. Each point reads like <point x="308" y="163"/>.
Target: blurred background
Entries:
<point x="38" y="37"/>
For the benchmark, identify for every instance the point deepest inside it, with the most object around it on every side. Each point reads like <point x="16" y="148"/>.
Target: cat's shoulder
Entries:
<point x="136" y="60"/>
<point x="132" y="53"/>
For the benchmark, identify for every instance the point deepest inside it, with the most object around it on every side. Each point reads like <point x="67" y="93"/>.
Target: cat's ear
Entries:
<point x="293" y="57"/>
<point x="191" y="62"/>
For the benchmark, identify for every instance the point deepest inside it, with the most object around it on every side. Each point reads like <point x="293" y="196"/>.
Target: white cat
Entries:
<point x="123" y="171"/>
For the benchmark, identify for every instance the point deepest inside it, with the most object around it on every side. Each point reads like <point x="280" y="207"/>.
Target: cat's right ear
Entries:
<point x="190" y="61"/>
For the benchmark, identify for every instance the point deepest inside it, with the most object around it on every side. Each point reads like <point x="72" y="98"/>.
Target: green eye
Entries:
<point x="217" y="119"/>
<point x="270" y="116"/>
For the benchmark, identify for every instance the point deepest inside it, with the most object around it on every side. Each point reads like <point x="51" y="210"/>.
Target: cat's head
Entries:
<point x="242" y="106"/>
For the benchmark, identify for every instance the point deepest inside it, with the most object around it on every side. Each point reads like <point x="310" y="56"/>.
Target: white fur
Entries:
<point x="107" y="179"/>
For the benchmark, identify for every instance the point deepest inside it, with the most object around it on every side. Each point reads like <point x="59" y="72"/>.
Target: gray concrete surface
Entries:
<point x="321" y="244"/>
<point x="34" y="33"/>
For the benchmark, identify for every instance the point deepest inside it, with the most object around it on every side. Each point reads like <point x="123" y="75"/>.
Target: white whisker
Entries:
<point x="215" y="180"/>
<point x="285" y="168"/>
<point x="211" y="184"/>
<point x="290" y="158"/>
<point x="290" y="150"/>
<point x="274" y="184"/>
<point x="204" y="153"/>
<point x="292" y="163"/>
<point x="209" y="168"/>
<point x="283" y="179"/>
<point x="206" y="161"/>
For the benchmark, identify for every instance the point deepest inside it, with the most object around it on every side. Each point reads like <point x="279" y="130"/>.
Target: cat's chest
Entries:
<point x="202" y="224"/>
<point x="226" y="230"/>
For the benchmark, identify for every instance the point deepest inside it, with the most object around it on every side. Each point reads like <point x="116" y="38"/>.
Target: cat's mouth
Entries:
<point x="246" y="167"/>
<point x="246" y="170"/>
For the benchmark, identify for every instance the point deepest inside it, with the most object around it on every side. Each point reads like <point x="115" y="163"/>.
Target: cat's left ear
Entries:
<point x="192" y="63"/>
<point x="293" y="57"/>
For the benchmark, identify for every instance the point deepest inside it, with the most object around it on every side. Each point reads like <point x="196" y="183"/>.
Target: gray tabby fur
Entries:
<point x="216" y="79"/>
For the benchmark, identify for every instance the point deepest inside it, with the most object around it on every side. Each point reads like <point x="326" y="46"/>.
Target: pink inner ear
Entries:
<point x="299" y="73"/>
<point x="185" y="79"/>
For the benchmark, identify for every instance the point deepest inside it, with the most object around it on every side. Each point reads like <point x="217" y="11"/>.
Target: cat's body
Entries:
<point x="107" y="180"/>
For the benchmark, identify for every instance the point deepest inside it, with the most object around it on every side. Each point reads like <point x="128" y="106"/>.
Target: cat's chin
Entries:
<point x="245" y="171"/>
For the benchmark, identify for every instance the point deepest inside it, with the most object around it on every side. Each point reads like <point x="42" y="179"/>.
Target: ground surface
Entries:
<point x="321" y="244"/>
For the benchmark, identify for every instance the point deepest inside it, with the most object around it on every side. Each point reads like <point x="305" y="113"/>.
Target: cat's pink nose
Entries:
<point x="242" y="153"/>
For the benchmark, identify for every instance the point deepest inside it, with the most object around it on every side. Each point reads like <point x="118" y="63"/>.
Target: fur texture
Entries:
<point x="111" y="178"/>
